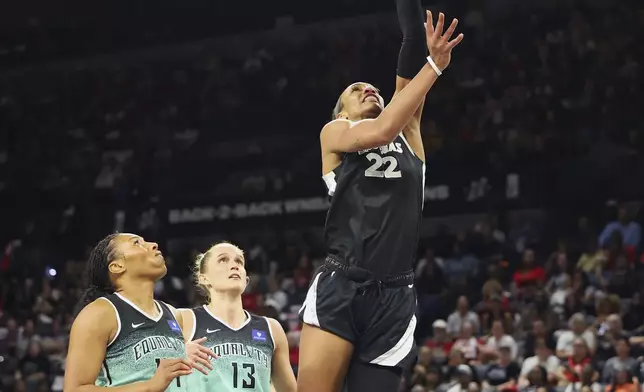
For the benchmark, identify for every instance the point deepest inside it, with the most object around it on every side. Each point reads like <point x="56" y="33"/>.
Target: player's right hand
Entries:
<point x="439" y="44"/>
<point x="167" y="371"/>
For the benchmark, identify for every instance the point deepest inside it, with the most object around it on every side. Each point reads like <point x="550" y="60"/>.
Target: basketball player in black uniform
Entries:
<point x="359" y="312"/>
<point x="122" y="338"/>
<point x="252" y="351"/>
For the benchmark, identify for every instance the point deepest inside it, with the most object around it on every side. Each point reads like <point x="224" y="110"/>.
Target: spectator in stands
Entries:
<point x="630" y="231"/>
<point x="571" y="368"/>
<point x="622" y="360"/>
<point x="457" y="359"/>
<point x="557" y="272"/>
<point x="528" y="273"/>
<point x="28" y="333"/>
<point x="500" y="339"/>
<point x="9" y="337"/>
<point x="634" y="318"/>
<point x="34" y="368"/>
<point x="496" y="307"/>
<point x="430" y="286"/>
<point x="440" y="343"/>
<point x="503" y="374"/>
<point x="426" y="375"/>
<point x="623" y="381"/>
<point x="560" y="294"/>
<point x="464" y="380"/>
<point x="538" y="332"/>
<point x="622" y="280"/>
<point x="536" y="380"/>
<point x="586" y="383"/>
<point x="544" y="359"/>
<point x="467" y="343"/>
<point x="609" y="333"/>
<point x="302" y="274"/>
<point x="275" y="297"/>
<point x="461" y="315"/>
<point x="578" y="329"/>
<point x="591" y="259"/>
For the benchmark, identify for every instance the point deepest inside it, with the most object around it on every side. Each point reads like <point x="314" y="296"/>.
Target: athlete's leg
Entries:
<point x="368" y="377"/>
<point x="324" y="361"/>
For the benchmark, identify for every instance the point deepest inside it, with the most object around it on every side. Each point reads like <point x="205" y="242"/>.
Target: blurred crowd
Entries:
<point x="500" y="307"/>
<point x="531" y="307"/>
<point x="566" y="316"/>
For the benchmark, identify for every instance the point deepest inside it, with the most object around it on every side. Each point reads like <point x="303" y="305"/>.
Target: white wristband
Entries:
<point x="434" y="66"/>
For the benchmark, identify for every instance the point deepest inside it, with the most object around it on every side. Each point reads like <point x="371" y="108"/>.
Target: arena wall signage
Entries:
<point x="455" y="196"/>
<point x="247" y="210"/>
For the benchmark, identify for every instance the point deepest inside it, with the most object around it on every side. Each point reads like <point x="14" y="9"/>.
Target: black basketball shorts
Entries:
<point x="378" y="317"/>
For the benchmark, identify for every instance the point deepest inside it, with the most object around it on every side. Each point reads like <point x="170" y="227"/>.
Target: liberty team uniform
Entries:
<point x="140" y="343"/>
<point x="364" y="292"/>
<point x="244" y="355"/>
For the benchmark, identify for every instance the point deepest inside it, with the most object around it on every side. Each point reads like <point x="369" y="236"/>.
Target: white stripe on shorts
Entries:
<point x="310" y="304"/>
<point x="401" y="349"/>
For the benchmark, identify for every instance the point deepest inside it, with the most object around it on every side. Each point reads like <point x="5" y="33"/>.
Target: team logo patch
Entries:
<point x="174" y="326"/>
<point x="258" y="335"/>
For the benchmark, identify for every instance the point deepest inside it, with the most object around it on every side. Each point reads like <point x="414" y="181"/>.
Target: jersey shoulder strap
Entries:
<point x="166" y="310"/>
<point x="110" y="300"/>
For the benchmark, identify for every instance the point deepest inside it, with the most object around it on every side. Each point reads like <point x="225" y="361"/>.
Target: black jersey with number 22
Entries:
<point x="376" y="208"/>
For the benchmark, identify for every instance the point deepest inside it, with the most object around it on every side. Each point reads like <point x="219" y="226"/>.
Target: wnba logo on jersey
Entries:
<point x="154" y="343"/>
<point x="258" y="335"/>
<point x="174" y="326"/>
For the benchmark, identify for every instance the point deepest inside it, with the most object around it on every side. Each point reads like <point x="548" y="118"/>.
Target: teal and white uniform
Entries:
<point x="140" y="343"/>
<point x="245" y="354"/>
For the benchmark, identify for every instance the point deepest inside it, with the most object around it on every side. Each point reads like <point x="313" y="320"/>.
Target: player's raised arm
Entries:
<point x="282" y="375"/>
<point x="91" y="333"/>
<point x="412" y="57"/>
<point x="413" y="50"/>
<point x="344" y="136"/>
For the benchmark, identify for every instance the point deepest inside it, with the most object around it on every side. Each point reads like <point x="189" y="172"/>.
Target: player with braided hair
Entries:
<point x="122" y="338"/>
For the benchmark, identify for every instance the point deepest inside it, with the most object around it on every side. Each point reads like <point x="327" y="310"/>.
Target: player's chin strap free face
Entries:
<point x="203" y="280"/>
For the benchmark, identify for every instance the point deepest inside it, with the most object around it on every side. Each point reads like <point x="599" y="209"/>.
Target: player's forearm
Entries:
<point x="413" y="50"/>
<point x="143" y="386"/>
<point x="403" y="106"/>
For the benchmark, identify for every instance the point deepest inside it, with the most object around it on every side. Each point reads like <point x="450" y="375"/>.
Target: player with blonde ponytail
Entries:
<point x="252" y="351"/>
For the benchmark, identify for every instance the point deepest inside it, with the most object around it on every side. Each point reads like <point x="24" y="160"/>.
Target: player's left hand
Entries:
<point x="199" y="356"/>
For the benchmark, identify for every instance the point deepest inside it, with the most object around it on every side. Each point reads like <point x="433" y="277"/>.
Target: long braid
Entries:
<point x="96" y="274"/>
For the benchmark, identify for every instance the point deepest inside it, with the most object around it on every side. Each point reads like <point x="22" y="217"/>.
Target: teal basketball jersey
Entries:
<point x="245" y="354"/>
<point x="140" y="343"/>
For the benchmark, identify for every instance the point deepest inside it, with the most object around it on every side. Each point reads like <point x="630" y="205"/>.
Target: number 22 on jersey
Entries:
<point x="382" y="167"/>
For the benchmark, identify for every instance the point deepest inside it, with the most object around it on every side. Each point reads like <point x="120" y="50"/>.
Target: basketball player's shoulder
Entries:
<point x="99" y="315"/>
<point x="334" y="127"/>
<point x="100" y="307"/>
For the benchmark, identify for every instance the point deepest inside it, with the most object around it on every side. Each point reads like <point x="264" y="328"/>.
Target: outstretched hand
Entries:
<point x="440" y="46"/>
<point x="199" y="355"/>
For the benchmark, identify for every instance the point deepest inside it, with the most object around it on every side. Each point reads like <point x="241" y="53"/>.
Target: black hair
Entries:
<point x="97" y="276"/>
<point x="337" y="109"/>
<point x="624" y="339"/>
<point x="543" y="373"/>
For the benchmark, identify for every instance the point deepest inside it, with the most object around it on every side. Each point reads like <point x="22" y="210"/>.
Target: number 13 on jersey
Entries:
<point x="382" y="167"/>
